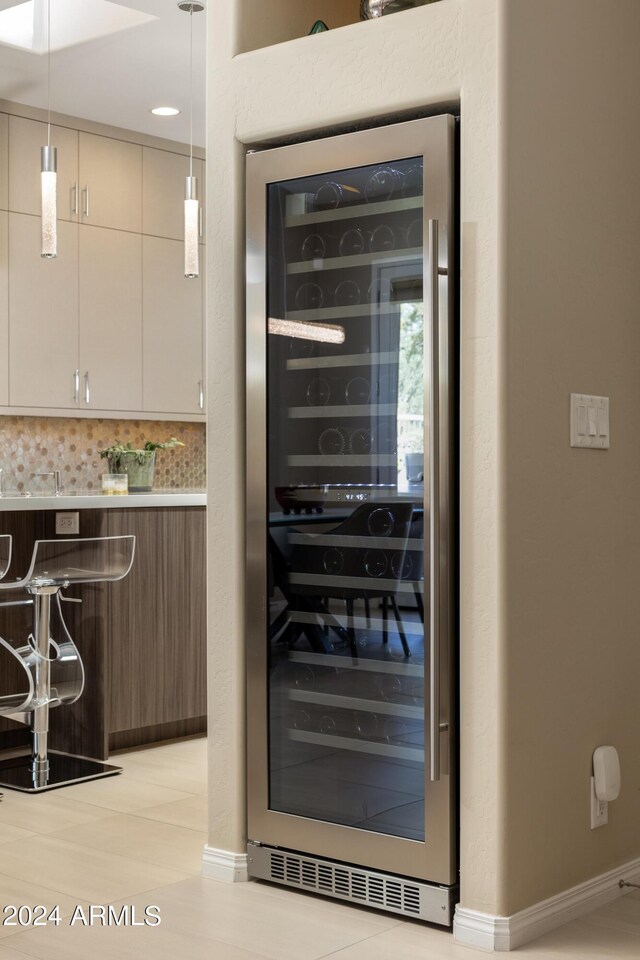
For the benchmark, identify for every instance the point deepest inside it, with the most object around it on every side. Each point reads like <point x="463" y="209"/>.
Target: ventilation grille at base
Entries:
<point x="383" y="891"/>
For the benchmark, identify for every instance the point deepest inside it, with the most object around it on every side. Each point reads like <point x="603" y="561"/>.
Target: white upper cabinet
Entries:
<point x="111" y="324"/>
<point x="110" y="319"/>
<point x="163" y="192"/>
<point x="110" y="183"/>
<point x="43" y="316"/>
<point x="4" y="161"/>
<point x="26" y="137"/>
<point x="4" y="308"/>
<point x="173" y="331"/>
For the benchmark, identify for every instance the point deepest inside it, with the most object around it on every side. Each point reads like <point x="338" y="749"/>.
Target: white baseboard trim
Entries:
<point x="487" y="932"/>
<point x="224" y="865"/>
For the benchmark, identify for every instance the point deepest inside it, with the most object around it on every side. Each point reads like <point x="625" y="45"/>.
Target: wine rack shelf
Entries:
<point x="372" y="360"/>
<point x="359" y="260"/>
<point x="381" y="209"/>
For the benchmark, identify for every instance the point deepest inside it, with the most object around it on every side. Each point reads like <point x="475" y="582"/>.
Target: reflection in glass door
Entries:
<point x="346" y="486"/>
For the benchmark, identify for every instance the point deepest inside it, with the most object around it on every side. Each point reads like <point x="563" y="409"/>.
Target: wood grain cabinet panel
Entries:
<point x="4" y="161"/>
<point x="43" y="316"/>
<point x="110" y="183"/>
<point x="157" y="620"/>
<point x="26" y="137"/>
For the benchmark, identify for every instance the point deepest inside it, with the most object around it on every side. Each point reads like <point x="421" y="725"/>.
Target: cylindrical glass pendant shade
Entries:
<point x="191" y="229"/>
<point x="49" y="157"/>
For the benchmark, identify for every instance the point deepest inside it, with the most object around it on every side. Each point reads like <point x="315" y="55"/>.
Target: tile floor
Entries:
<point x="137" y="840"/>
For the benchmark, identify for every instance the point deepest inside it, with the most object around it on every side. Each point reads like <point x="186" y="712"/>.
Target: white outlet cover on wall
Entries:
<point x="68" y="523"/>
<point x="590" y="421"/>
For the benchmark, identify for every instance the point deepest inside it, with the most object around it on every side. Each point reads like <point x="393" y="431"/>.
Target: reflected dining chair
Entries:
<point x="363" y="558"/>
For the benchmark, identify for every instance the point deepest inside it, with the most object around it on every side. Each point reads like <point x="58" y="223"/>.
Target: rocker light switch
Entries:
<point x="589" y="421"/>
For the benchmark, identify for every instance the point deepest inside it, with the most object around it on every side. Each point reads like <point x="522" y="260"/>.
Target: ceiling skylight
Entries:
<point x="24" y="25"/>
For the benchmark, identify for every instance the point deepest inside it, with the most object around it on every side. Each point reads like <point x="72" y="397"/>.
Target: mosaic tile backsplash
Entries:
<point x="30" y="445"/>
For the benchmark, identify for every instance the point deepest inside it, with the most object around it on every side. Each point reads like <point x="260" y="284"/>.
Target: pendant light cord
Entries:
<point x="190" y="91"/>
<point x="48" y="73"/>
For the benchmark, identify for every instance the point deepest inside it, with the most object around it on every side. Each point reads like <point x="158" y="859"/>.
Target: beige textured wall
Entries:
<point x="573" y="516"/>
<point x="427" y="57"/>
<point x="261" y="23"/>
<point x="225" y="456"/>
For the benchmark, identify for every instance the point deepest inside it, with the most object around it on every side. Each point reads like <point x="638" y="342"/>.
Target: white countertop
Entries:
<point x="88" y="500"/>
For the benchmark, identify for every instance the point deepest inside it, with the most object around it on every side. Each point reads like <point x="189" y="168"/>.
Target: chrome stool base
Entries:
<point x="18" y="773"/>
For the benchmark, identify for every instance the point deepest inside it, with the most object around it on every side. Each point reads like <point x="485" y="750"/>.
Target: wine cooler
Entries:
<point x="351" y="517"/>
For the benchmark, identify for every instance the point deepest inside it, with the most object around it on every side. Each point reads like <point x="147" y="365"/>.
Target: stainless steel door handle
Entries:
<point x="434" y="503"/>
<point x="85" y="201"/>
<point x="201" y="394"/>
<point x="76" y="386"/>
<point x="87" y="391"/>
<point x="74" y="194"/>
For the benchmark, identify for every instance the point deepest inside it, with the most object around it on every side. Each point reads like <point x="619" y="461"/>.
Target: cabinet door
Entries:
<point x="110" y="319"/>
<point x="4" y="308"/>
<point x="26" y="137"/>
<point x="111" y="183"/>
<point x="4" y="161"/>
<point x="163" y="186"/>
<point x="156" y="640"/>
<point x="43" y="316"/>
<point x="173" y="330"/>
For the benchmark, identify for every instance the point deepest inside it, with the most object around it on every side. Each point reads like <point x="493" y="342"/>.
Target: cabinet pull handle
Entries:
<point x="201" y="394"/>
<point x="85" y="201"/>
<point x="74" y="205"/>
<point x="87" y="392"/>
<point x="76" y="385"/>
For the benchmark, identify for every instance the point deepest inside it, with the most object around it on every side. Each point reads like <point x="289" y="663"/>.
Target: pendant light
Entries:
<point x="48" y="168"/>
<point x="191" y="202"/>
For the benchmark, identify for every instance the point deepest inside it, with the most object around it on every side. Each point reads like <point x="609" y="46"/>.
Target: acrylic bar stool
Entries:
<point x="53" y="673"/>
<point x="6" y="543"/>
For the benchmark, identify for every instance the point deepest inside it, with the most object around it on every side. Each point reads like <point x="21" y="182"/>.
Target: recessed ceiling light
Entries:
<point x="165" y="111"/>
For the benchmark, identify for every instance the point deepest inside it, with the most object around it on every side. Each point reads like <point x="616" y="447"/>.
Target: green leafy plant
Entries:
<point x="114" y="453"/>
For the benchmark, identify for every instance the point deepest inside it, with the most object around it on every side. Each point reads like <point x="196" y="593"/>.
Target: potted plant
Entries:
<point x="137" y="462"/>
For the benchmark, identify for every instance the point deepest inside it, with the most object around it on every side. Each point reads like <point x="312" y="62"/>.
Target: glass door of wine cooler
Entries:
<point x="350" y="324"/>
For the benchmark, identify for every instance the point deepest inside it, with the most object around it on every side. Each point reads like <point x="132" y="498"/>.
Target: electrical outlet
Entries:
<point x="68" y="523"/>
<point x="599" y="808"/>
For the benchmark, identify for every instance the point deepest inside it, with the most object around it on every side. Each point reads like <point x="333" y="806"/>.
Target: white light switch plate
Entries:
<point x="589" y="421"/>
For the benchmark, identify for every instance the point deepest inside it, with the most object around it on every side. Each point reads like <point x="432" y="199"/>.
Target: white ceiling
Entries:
<point x="118" y="78"/>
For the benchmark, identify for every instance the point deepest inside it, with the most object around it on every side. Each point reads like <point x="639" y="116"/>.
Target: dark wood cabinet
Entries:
<point x="156" y="661"/>
<point x="142" y="639"/>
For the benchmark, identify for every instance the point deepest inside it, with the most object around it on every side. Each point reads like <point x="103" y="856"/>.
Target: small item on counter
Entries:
<point x="115" y="484"/>
<point x="371" y="9"/>
<point x="318" y="27"/>
<point x="138" y="463"/>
